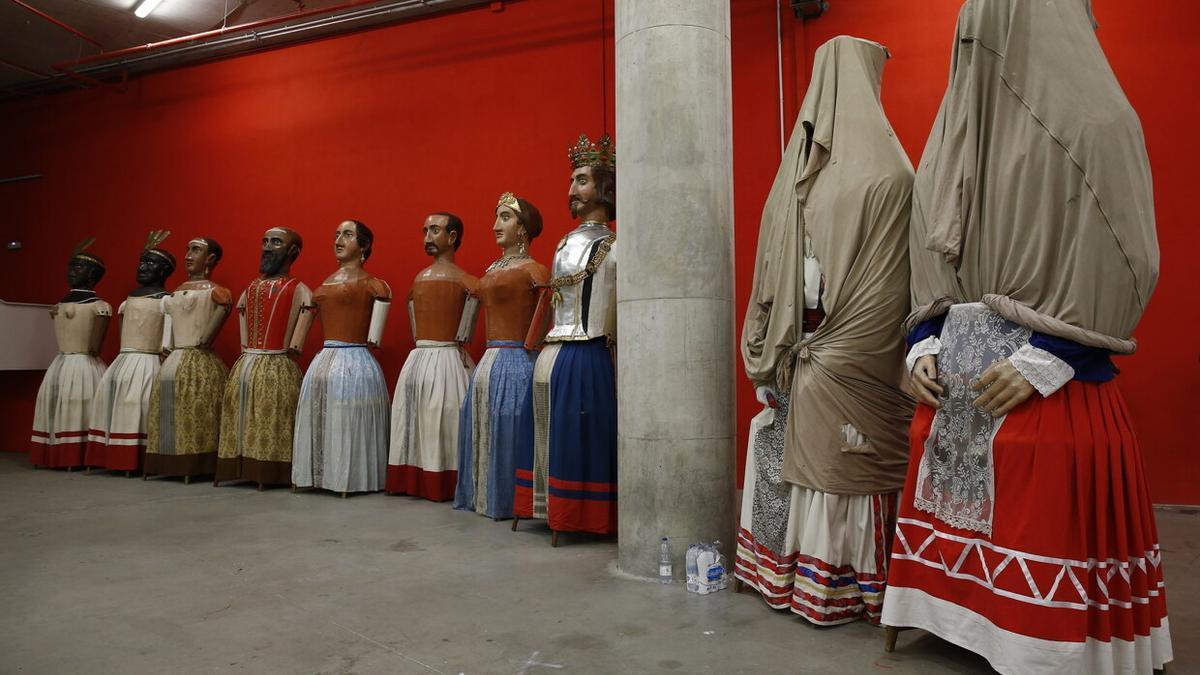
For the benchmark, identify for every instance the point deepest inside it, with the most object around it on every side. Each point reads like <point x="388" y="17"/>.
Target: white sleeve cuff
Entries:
<point x="930" y="345"/>
<point x="1045" y="371"/>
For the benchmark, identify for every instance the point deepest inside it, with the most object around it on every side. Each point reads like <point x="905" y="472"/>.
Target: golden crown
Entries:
<point x="510" y="200"/>
<point x="587" y="153"/>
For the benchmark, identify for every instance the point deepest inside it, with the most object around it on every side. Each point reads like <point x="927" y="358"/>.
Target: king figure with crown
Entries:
<point x="567" y="472"/>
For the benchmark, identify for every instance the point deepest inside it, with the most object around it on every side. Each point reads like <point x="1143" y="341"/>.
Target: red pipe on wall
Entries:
<point x="58" y="23"/>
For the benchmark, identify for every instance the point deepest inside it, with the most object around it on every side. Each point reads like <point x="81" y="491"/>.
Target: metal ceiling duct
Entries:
<point x="115" y="66"/>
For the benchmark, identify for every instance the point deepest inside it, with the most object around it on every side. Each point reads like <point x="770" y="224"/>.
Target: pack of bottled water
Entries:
<point x="706" y="568"/>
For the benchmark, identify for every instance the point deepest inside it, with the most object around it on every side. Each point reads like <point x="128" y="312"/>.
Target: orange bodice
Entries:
<point x="345" y="308"/>
<point x="509" y="298"/>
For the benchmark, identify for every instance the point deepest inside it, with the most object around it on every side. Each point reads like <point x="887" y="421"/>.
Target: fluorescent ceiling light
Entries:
<point x="143" y="10"/>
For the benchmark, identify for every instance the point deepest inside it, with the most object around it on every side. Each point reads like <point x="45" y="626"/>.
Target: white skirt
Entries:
<point x="120" y="409"/>
<point x="426" y="405"/>
<point x="62" y="413"/>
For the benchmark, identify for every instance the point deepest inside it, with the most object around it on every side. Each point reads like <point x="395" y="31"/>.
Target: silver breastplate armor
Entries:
<point x="587" y="309"/>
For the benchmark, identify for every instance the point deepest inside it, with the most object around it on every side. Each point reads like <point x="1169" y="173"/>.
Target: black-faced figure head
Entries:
<point x="84" y="271"/>
<point x="280" y="248"/>
<point x="154" y="266"/>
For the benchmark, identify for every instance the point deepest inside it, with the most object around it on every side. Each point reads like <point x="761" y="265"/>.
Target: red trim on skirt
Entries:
<point x="845" y="593"/>
<point x="523" y="494"/>
<point x="581" y="515"/>
<point x="58" y="455"/>
<point x="1074" y="548"/>
<point x="115" y="457"/>
<point x="595" y="513"/>
<point x="436" y="486"/>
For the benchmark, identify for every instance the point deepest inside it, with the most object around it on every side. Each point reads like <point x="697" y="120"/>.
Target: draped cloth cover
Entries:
<point x="1034" y="192"/>
<point x="844" y="186"/>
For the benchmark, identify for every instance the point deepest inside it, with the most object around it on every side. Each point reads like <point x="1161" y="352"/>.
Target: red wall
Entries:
<point x="383" y="126"/>
<point x="448" y="112"/>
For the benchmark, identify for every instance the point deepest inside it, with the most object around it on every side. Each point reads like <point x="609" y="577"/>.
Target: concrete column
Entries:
<point x="675" y="329"/>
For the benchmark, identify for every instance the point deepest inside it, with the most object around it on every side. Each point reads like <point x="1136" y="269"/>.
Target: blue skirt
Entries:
<point x="567" y="470"/>
<point x="340" y="441"/>
<point x="490" y="429"/>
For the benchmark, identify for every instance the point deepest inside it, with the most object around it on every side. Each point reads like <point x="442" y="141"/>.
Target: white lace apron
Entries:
<point x="956" y="480"/>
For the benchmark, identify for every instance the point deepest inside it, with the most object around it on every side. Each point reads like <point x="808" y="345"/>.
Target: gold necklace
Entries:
<point x="506" y="261"/>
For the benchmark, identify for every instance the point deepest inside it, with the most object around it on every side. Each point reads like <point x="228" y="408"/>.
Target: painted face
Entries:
<point x="582" y="194"/>
<point x="79" y="273"/>
<point x="277" y="245"/>
<point x="345" y="242"/>
<point x="438" y="239"/>
<point x="508" y="229"/>
<point x="151" y="269"/>
<point x="196" y="259"/>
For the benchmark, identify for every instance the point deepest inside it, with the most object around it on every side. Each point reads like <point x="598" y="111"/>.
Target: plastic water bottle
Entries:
<point x="711" y="567"/>
<point x="664" y="562"/>
<point x="704" y="560"/>
<point x="724" y="580"/>
<point x="693" y="576"/>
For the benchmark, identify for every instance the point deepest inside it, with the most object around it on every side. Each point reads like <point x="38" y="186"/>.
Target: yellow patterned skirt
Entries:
<point x="257" y="417"/>
<point x="185" y="414"/>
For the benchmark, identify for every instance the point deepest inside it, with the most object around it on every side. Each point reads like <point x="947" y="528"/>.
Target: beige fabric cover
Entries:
<point x="1034" y="194"/>
<point x="845" y="182"/>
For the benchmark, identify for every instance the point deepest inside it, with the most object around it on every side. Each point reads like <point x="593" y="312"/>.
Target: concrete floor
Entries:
<point x="107" y="574"/>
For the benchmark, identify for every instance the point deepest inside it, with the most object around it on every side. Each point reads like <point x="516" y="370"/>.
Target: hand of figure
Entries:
<point x="924" y="381"/>
<point x="1003" y="387"/>
<point x="766" y="396"/>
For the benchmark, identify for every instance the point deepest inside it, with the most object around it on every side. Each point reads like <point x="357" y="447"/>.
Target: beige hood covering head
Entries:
<point x="845" y="182"/>
<point x="1034" y="193"/>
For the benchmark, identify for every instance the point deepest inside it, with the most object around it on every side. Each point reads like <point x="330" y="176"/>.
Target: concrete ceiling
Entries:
<point x="29" y="42"/>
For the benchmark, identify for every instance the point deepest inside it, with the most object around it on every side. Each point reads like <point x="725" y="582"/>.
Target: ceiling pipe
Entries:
<point x="74" y="65"/>
<point x="361" y="15"/>
<point x="60" y="24"/>
<point x="237" y="39"/>
<point x="17" y="66"/>
<point x="80" y="78"/>
<point x="18" y="179"/>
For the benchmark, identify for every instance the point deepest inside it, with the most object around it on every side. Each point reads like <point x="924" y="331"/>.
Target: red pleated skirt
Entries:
<point x="1071" y="578"/>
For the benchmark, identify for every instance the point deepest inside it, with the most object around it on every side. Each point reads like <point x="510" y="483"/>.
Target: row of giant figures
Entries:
<point x="988" y="486"/>
<point x="529" y="432"/>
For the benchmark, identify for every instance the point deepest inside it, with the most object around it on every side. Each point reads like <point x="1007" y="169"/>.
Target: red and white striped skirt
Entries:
<point x="823" y="556"/>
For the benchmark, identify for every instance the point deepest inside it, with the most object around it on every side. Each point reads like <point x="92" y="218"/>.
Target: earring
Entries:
<point x="522" y="240"/>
